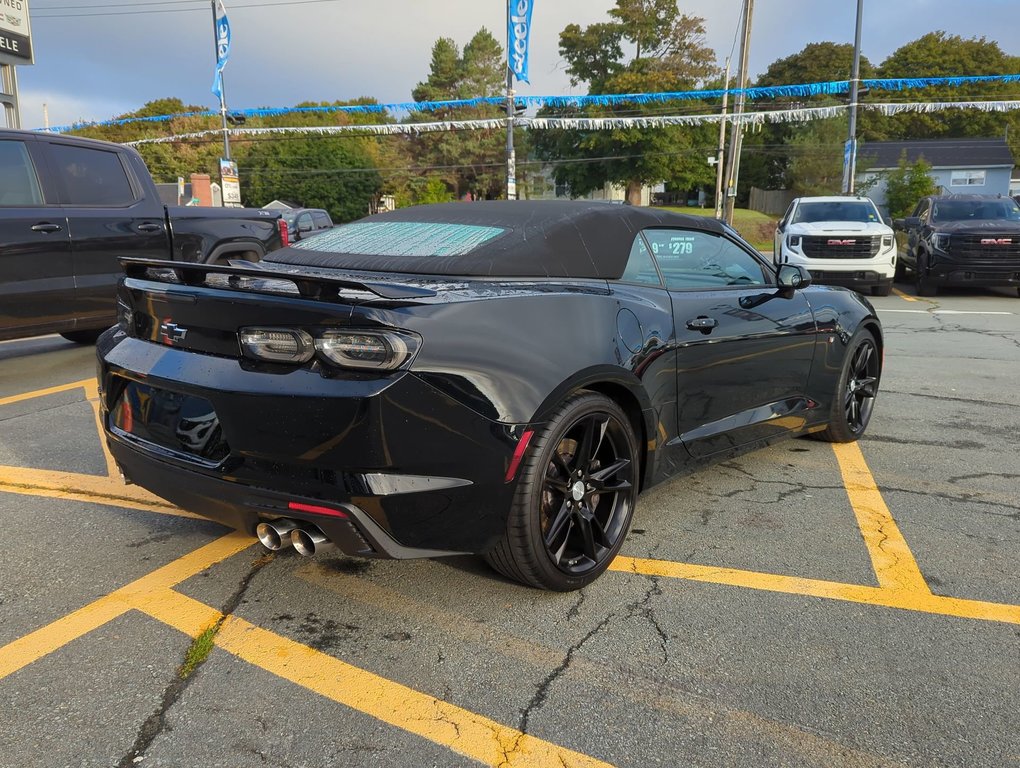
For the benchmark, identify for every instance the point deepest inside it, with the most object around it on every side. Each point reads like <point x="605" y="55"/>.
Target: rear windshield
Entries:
<point x="850" y="210"/>
<point x="401" y="238"/>
<point x="975" y="210"/>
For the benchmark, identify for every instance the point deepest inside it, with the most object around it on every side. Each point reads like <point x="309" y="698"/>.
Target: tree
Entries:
<point x="468" y="162"/>
<point x="906" y="185"/>
<point x="938" y="54"/>
<point x="669" y="55"/>
<point x="781" y="155"/>
<point x="331" y="172"/>
<point x="816" y="157"/>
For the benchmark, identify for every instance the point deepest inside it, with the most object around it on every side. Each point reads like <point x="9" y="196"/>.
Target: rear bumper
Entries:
<point x="412" y="472"/>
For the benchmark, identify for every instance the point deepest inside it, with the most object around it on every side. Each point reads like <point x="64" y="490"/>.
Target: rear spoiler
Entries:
<point x="309" y="283"/>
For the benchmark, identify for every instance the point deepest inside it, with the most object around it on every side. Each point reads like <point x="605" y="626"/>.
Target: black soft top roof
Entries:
<point x="549" y="238"/>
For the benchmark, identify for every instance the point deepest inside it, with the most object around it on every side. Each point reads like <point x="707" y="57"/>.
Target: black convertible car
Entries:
<point x="499" y="378"/>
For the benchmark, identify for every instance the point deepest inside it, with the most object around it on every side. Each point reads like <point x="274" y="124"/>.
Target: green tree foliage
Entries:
<point x="906" y="185"/>
<point x="331" y="172"/>
<point x="939" y="54"/>
<point x="816" y="157"/>
<point x="781" y="155"/>
<point x="468" y="162"/>
<point x="670" y="54"/>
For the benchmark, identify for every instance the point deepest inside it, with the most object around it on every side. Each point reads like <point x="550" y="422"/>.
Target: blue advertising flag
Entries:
<point x="222" y="26"/>
<point x="519" y="36"/>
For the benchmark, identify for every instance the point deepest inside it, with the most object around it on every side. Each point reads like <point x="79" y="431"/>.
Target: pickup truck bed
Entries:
<point x="71" y="207"/>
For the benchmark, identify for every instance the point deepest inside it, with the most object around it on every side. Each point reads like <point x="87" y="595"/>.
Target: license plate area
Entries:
<point x="163" y="420"/>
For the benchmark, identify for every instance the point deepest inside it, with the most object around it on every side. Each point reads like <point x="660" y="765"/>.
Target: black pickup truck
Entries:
<point x="71" y="207"/>
<point x="960" y="240"/>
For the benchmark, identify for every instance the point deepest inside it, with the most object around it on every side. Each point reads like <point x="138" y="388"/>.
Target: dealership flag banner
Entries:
<point x="222" y="48"/>
<point x="519" y="37"/>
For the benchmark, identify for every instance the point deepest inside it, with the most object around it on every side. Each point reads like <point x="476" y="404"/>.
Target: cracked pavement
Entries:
<point x="335" y="661"/>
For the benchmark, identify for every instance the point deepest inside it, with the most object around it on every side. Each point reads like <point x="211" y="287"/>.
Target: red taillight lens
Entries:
<point x="315" y="510"/>
<point x="284" y="233"/>
<point x="515" y="462"/>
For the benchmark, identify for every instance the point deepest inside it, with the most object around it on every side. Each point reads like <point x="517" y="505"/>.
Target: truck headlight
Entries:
<point x="887" y="241"/>
<point x="793" y="241"/>
<point x="940" y="241"/>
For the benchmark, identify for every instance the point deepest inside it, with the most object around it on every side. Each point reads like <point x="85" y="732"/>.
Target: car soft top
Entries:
<point x="567" y="239"/>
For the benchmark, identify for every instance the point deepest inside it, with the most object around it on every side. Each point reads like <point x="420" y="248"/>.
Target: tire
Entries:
<point x="881" y="290"/>
<point x="925" y="287"/>
<point x="555" y="540"/>
<point x="854" y="398"/>
<point x="83" y="337"/>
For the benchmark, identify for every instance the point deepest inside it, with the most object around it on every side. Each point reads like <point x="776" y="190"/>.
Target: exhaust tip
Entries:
<point x="276" y="535"/>
<point x="309" y="541"/>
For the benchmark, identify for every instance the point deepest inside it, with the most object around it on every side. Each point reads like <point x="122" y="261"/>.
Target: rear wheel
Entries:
<point x="574" y="499"/>
<point x="854" y="399"/>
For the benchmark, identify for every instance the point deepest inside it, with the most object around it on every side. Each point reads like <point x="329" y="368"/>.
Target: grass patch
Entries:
<point x="756" y="228"/>
<point x="199" y="651"/>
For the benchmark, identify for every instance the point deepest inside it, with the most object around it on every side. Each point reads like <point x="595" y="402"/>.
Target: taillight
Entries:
<point x="278" y="345"/>
<point x="382" y="350"/>
<point x="284" y="233"/>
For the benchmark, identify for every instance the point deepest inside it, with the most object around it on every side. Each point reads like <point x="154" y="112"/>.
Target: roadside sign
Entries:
<point x="15" y="33"/>
<point x="230" y="183"/>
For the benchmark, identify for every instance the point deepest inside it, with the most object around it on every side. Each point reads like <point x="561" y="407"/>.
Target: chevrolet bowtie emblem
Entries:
<point x="171" y="333"/>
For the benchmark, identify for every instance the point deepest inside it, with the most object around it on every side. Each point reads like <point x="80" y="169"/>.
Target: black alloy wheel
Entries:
<point x="575" y="497"/>
<point x="854" y="399"/>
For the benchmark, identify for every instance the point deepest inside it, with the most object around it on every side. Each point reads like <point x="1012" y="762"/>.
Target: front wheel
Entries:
<point x="574" y="499"/>
<point x="854" y="398"/>
<point x="881" y="290"/>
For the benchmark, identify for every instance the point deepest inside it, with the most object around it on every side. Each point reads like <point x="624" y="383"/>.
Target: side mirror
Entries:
<point x="910" y="222"/>
<point x="793" y="277"/>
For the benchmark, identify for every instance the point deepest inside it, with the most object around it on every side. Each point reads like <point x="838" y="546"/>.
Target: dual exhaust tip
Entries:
<point x="305" y="538"/>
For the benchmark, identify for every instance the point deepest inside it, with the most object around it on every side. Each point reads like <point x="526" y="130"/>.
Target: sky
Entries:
<point x="94" y="67"/>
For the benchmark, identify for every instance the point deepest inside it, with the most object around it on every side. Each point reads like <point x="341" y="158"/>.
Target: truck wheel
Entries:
<point x="901" y="272"/>
<point x="925" y="287"/>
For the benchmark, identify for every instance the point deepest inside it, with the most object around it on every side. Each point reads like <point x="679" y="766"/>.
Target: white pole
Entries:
<point x="720" y="154"/>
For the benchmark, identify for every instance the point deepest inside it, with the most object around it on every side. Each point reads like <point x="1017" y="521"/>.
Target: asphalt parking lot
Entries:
<point x="800" y="606"/>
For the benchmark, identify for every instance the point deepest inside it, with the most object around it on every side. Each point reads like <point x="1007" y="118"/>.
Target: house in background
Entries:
<point x="959" y="166"/>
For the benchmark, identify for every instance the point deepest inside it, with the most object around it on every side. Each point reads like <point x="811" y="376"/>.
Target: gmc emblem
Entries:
<point x="996" y="241"/>
<point x="842" y="242"/>
<point x="171" y="333"/>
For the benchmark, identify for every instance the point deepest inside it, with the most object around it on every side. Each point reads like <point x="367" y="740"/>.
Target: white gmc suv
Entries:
<point x="840" y="241"/>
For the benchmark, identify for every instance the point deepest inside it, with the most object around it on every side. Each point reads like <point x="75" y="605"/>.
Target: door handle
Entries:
<point x="703" y="324"/>
<point x="46" y="227"/>
<point x="149" y="227"/>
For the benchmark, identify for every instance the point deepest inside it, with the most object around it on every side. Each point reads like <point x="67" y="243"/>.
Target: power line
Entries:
<point x="202" y="8"/>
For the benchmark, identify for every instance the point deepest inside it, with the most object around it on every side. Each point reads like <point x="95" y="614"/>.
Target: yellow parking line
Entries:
<point x="35" y="645"/>
<point x="43" y="392"/>
<point x="448" y="725"/>
<point x="53" y="636"/>
<point x="97" y="489"/>
<point x="92" y="395"/>
<point x="892" y="559"/>
<point x="890" y="598"/>
<point x="902" y="295"/>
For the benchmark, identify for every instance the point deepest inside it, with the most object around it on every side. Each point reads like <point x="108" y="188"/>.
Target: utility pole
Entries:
<point x="511" y="156"/>
<point x="720" y="153"/>
<point x="738" y="127"/>
<point x="223" y="87"/>
<point x="855" y="86"/>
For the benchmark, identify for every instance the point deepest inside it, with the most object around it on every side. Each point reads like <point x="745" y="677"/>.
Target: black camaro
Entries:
<point x="499" y="378"/>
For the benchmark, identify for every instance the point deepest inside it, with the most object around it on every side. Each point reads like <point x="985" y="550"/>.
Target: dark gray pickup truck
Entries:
<point x="70" y="207"/>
